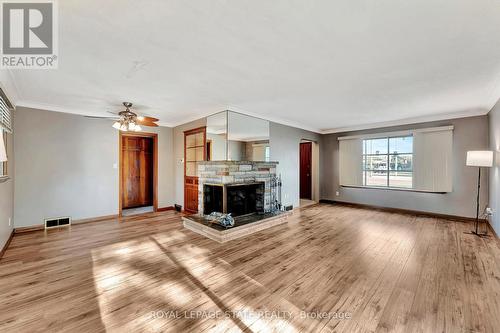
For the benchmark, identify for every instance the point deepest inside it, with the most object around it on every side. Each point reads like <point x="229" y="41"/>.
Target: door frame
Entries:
<point x="315" y="160"/>
<point x="201" y="129"/>
<point x="154" y="136"/>
<point x="310" y="169"/>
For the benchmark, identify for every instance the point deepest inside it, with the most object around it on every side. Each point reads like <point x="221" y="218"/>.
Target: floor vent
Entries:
<point x="57" y="222"/>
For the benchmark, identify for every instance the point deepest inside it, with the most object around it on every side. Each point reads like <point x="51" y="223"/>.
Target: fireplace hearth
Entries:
<point x="245" y="189"/>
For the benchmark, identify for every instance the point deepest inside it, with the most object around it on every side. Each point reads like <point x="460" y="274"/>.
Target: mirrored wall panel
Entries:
<point x="232" y="136"/>
<point x="217" y="137"/>
<point x="247" y="138"/>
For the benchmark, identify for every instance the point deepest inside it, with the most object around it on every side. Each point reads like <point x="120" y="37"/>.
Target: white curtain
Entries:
<point x="432" y="158"/>
<point x="351" y="162"/>
<point x="432" y="161"/>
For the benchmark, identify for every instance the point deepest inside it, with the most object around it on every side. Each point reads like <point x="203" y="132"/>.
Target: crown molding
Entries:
<point x="9" y="86"/>
<point x="73" y="111"/>
<point x="409" y="121"/>
<point x="399" y="122"/>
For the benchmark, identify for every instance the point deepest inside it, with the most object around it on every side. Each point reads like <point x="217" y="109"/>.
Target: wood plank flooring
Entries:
<point x="385" y="272"/>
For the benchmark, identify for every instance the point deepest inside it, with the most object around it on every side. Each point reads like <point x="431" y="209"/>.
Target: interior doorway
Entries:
<point x="308" y="172"/>
<point x="138" y="173"/>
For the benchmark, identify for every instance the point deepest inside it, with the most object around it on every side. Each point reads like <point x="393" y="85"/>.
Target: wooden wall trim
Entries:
<point x="95" y="219"/>
<point x="493" y="232"/>
<point x="39" y="227"/>
<point x="36" y="227"/>
<point x="2" y="252"/>
<point x="195" y="130"/>
<point x="402" y="211"/>
<point x="164" y="209"/>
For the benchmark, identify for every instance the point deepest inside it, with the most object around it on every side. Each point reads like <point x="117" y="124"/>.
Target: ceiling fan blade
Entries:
<point x="144" y="118"/>
<point x="98" y="117"/>
<point x="146" y="123"/>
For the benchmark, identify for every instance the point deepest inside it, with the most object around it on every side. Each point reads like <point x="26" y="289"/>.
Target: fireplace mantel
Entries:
<point x="236" y="162"/>
<point x="232" y="184"/>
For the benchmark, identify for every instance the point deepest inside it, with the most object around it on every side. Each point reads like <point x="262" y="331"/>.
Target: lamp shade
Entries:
<point x="480" y="158"/>
<point x="3" y="153"/>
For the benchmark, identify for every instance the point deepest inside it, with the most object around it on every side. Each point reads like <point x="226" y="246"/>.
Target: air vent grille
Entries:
<point x="57" y="222"/>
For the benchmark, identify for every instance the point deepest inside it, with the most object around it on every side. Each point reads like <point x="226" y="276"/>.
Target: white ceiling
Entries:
<point x="318" y="65"/>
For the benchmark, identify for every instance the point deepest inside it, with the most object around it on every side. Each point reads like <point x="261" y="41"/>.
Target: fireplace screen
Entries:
<point x="237" y="199"/>
<point x="213" y="199"/>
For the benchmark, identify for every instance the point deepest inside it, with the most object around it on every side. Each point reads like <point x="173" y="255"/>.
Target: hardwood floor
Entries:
<point x="385" y="271"/>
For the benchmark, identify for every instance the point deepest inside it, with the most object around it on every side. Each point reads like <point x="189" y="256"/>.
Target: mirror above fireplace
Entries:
<point x="233" y="136"/>
<point x="217" y="137"/>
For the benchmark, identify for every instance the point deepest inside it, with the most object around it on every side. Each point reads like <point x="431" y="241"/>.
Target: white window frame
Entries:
<point x="387" y="155"/>
<point x="6" y="108"/>
<point x="4" y="171"/>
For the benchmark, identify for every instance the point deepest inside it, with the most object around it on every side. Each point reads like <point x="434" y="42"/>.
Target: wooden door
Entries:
<point x="137" y="171"/>
<point x="194" y="152"/>
<point x="305" y="170"/>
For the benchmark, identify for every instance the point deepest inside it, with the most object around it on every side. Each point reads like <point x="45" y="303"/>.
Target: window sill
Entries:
<point x="391" y="189"/>
<point x="3" y="179"/>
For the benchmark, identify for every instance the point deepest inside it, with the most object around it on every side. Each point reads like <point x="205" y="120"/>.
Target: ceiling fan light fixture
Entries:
<point x="129" y="121"/>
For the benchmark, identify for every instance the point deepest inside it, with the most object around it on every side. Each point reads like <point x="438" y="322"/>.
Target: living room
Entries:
<point x="261" y="167"/>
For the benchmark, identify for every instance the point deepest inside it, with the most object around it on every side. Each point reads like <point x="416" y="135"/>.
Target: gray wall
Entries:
<point x="218" y="146"/>
<point x="65" y="166"/>
<point x="236" y="150"/>
<point x="469" y="134"/>
<point x="494" y="185"/>
<point x="285" y="143"/>
<point x="7" y="196"/>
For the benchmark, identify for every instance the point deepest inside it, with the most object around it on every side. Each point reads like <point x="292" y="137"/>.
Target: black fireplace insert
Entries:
<point x="237" y="199"/>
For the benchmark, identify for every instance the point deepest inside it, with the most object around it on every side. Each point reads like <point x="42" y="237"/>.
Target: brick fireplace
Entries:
<point x="238" y="187"/>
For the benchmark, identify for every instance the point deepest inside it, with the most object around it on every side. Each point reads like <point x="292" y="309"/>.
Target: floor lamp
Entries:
<point x="479" y="159"/>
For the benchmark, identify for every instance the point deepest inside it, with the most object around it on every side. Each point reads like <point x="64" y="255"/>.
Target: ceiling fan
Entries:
<point x="130" y="121"/>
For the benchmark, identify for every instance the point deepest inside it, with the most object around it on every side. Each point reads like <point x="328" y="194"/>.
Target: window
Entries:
<point x="5" y="126"/>
<point x="418" y="160"/>
<point x="388" y="162"/>
<point x="3" y="145"/>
